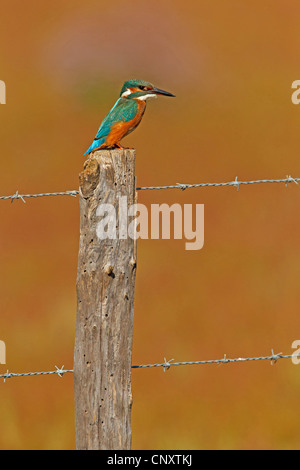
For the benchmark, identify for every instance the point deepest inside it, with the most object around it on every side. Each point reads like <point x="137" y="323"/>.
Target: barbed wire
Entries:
<point x="234" y="183"/>
<point x="60" y="371"/>
<point x="181" y="186"/>
<point x="23" y="196"/>
<point x="273" y="358"/>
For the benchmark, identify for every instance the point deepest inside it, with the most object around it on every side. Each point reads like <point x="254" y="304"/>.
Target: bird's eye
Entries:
<point x="143" y="88"/>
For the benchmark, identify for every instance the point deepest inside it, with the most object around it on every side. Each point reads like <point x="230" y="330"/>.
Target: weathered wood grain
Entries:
<point x="105" y="300"/>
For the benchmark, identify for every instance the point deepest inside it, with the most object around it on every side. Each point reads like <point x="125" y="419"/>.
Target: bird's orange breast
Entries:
<point x="121" y="129"/>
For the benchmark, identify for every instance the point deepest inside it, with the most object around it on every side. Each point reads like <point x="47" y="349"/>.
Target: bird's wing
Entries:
<point x="124" y="110"/>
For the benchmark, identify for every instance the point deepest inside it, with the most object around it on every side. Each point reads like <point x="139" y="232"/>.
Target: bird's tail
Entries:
<point x="96" y="143"/>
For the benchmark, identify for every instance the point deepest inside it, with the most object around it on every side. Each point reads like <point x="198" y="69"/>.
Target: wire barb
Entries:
<point x="236" y="183"/>
<point x="182" y="186"/>
<point x="275" y="357"/>
<point x="291" y="180"/>
<point x="60" y="371"/>
<point x="17" y="196"/>
<point x="6" y="376"/>
<point x="167" y="364"/>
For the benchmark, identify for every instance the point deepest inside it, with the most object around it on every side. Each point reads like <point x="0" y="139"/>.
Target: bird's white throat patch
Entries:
<point x="146" y="97"/>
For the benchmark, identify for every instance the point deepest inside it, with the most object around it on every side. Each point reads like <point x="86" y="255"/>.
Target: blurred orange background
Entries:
<point x="231" y="65"/>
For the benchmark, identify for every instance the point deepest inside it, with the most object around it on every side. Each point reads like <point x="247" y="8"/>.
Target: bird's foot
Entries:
<point x="108" y="147"/>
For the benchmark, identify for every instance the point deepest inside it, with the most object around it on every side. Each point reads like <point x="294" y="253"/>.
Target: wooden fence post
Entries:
<point x="105" y="298"/>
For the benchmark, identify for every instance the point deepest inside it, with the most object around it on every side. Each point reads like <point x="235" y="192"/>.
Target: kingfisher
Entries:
<point x="125" y="115"/>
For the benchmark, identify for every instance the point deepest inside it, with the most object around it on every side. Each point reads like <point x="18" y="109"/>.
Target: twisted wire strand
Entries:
<point x="23" y="196"/>
<point x="273" y="358"/>
<point x="234" y="183"/>
<point x="181" y="186"/>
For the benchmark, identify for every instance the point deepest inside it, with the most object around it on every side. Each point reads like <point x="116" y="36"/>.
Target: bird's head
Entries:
<point x="141" y="90"/>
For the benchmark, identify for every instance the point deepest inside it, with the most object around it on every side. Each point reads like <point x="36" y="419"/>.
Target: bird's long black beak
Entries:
<point x="157" y="91"/>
